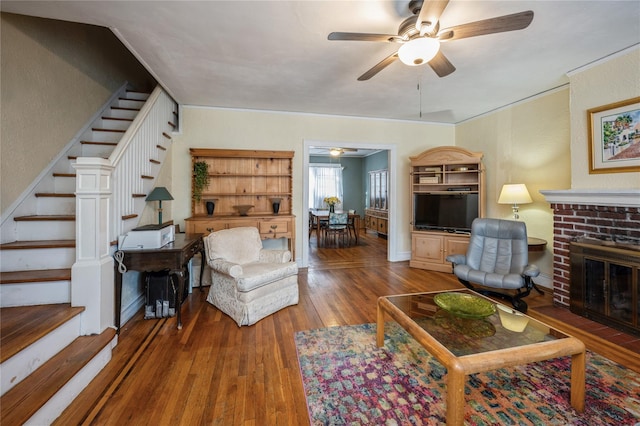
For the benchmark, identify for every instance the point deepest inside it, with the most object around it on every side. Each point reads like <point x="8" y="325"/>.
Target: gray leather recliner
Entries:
<point x="497" y="258"/>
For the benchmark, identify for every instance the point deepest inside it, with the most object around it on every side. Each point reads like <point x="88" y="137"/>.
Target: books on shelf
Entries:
<point x="429" y="179"/>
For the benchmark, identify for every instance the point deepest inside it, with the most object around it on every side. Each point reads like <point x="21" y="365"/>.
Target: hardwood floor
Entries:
<point x="213" y="372"/>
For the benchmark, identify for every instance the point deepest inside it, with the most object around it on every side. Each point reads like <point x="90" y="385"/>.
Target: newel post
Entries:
<point x="92" y="280"/>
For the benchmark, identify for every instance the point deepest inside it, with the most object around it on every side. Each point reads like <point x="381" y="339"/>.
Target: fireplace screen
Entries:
<point x="609" y="289"/>
<point x="604" y="285"/>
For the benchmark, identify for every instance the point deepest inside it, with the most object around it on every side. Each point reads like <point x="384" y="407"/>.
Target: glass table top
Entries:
<point x="463" y="335"/>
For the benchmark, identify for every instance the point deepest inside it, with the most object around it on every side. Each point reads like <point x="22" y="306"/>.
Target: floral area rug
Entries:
<point x="348" y="380"/>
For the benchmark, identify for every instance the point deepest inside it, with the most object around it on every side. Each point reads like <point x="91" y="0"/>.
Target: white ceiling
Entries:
<point x="274" y="55"/>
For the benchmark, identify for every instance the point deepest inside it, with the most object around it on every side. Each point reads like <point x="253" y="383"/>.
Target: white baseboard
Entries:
<point x="130" y="310"/>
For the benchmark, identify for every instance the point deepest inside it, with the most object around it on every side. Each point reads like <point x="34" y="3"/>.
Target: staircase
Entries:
<point x="45" y="362"/>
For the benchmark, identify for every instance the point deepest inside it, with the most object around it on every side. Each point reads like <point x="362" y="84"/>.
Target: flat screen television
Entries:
<point x="445" y="212"/>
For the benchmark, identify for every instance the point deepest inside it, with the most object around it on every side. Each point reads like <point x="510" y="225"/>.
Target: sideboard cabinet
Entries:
<point x="377" y="213"/>
<point x="246" y="178"/>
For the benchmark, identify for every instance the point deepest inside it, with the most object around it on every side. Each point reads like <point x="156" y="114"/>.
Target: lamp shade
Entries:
<point x="159" y="194"/>
<point x="514" y="194"/>
<point x="418" y="51"/>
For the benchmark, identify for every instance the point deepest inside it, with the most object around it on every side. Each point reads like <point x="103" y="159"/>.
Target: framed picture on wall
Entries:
<point x="614" y="137"/>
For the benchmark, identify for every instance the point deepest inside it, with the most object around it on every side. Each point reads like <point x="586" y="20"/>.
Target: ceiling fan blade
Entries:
<point x="441" y="65"/>
<point x="430" y="15"/>
<point x="378" y="67"/>
<point x="516" y="21"/>
<point x="389" y="38"/>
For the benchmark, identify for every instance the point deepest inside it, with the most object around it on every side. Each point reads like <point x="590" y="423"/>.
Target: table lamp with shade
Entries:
<point x="514" y="194"/>
<point x="159" y="194"/>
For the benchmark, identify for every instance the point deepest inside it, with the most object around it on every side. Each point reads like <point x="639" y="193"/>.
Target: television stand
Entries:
<point x="429" y="249"/>
<point x="445" y="171"/>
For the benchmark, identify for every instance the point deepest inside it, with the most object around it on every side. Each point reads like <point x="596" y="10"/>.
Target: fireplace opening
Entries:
<point x="605" y="283"/>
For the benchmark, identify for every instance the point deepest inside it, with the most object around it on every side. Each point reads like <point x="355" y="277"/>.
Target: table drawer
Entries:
<point x="274" y="228"/>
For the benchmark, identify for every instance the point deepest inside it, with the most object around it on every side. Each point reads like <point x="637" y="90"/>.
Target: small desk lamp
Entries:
<point x="514" y="194"/>
<point x="159" y="194"/>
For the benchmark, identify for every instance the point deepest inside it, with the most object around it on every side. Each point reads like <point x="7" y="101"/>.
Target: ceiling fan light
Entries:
<point x="334" y="152"/>
<point x="418" y="51"/>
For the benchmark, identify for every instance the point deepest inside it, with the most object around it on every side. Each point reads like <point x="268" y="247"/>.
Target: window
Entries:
<point x="325" y="180"/>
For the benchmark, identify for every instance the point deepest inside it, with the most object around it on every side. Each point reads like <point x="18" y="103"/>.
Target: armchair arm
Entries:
<point x="457" y="259"/>
<point x="531" y="271"/>
<point x="274" y="256"/>
<point x="225" y="267"/>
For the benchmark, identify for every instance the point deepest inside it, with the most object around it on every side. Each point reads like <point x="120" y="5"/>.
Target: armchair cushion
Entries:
<point x="257" y="274"/>
<point x="241" y="246"/>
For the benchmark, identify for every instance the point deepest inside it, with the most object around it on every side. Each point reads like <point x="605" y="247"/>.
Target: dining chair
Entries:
<point x="337" y="226"/>
<point x="351" y="225"/>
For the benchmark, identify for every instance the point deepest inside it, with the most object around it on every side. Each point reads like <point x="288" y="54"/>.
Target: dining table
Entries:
<point x="319" y="217"/>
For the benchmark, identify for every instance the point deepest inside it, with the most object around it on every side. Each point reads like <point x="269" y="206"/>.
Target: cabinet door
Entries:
<point x="427" y="248"/>
<point x="372" y="190"/>
<point x="456" y="245"/>
<point x="382" y="226"/>
<point x="383" y="190"/>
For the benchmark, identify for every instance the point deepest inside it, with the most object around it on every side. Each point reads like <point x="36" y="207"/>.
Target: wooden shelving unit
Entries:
<point x="246" y="177"/>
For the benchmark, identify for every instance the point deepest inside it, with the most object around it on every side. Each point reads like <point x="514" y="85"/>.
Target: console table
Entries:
<point x="174" y="257"/>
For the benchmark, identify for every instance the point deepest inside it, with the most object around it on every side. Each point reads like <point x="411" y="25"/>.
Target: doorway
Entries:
<point x="391" y="161"/>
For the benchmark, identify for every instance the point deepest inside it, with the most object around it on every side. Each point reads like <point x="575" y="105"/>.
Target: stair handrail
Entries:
<point x="132" y="159"/>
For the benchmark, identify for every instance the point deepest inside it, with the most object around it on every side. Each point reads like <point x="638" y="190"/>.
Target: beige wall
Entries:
<point x="216" y="128"/>
<point x="604" y="83"/>
<point x="55" y="75"/>
<point x="528" y="143"/>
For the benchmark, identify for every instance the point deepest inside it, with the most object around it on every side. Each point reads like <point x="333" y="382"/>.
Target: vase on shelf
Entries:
<point x="332" y="208"/>
<point x="211" y="205"/>
<point x="275" y="204"/>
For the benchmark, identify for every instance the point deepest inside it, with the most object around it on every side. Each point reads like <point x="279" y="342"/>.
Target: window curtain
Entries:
<point x="325" y="180"/>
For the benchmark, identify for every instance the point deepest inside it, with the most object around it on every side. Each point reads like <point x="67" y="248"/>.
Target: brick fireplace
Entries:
<point x="607" y="215"/>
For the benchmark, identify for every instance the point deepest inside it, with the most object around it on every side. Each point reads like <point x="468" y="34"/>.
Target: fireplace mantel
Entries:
<point x="594" y="197"/>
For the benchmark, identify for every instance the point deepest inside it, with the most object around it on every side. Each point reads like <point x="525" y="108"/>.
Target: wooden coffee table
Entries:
<point x="468" y="346"/>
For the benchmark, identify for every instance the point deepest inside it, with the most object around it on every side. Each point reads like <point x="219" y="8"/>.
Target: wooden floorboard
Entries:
<point x="215" y="373"/>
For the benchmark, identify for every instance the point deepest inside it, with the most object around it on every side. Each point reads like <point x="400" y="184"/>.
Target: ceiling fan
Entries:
<point x="420" y="36"/>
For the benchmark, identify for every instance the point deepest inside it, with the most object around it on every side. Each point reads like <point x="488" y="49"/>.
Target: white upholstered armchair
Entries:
<point x="249" y="282"/>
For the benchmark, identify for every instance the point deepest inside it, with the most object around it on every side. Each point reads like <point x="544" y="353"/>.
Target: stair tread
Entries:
<point x="37" y="275"/>
<point x="21" y="402"/>
<point x="55" y="194"/>
<point x="125" y="108"/>
<point x="44" y="217"/>
<point x="117" y="118"/>
<point x="98" y="143"/>
<point x="23" y="325"/>
<point x="37" y="244"/>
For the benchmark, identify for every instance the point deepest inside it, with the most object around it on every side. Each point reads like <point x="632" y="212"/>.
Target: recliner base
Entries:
<point x="515" y="300"/>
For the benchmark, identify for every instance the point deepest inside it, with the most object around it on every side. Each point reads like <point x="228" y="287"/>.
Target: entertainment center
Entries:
<point x="447" y="193"/>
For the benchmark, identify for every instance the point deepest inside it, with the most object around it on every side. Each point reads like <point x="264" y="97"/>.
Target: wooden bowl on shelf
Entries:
<point x="243" y="209"/>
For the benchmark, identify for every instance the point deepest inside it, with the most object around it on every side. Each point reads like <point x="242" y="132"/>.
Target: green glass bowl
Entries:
<point x="465" y="305"/>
